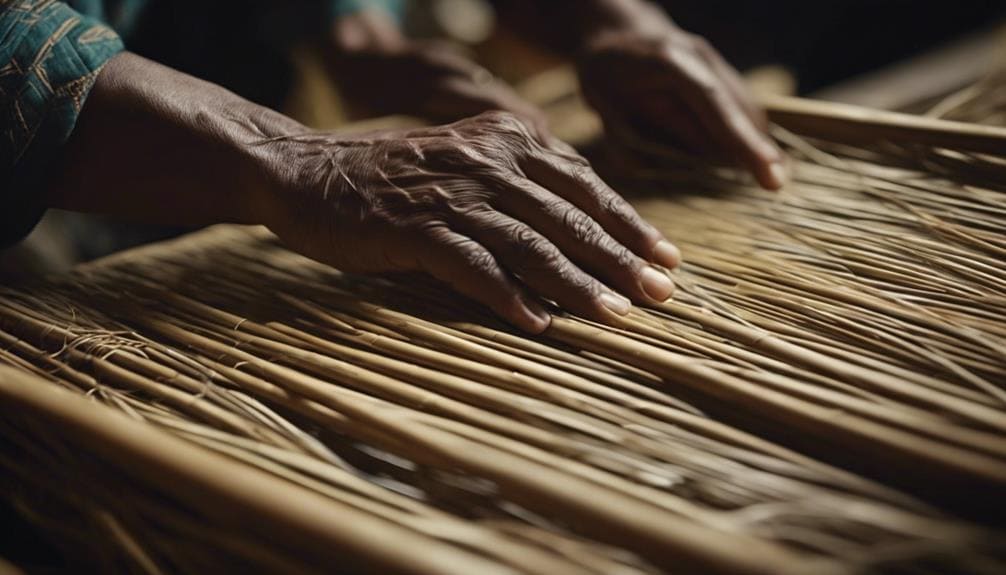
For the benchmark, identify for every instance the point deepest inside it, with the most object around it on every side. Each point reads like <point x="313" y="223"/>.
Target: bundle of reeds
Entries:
<point x="825" y="393"/>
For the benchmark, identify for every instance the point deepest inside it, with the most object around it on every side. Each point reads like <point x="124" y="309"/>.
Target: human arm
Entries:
<point x="479" y="204"/>
<point x="646" y="76"/>
<point x="380" y="71"/>
<point x="50" y="56"/>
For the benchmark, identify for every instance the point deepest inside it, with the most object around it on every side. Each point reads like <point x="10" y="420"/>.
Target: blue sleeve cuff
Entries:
<point x="50" y="56"/>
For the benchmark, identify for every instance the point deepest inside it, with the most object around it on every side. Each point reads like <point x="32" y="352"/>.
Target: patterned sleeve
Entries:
<point x="50" y="56"/>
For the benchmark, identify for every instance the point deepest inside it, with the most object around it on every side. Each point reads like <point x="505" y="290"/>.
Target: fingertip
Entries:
<point x="532" y="317"/>
<point x="775" y="176"/>
<point x="666" y="254"/>
<point x="656" y="284"/>
<point x="615" y="303"/>
<point x="765" y="160"/>
<point x="773" y="171"/>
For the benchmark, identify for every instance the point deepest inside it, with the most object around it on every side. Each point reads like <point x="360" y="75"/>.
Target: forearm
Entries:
<point x="156" y="145"/>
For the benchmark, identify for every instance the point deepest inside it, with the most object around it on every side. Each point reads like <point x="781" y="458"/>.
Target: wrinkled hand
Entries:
<point x="432" y="80"/>
<point x="479" y="204"/>
<point x="667" y="83"/>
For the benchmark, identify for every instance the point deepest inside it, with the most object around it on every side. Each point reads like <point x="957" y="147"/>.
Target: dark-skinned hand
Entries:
<point x="479" y="204"/>
<point x="379" y="71"/>
<point x="659" y="81"/>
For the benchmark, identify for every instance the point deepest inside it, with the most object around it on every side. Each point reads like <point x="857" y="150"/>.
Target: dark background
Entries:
<point x="826" y="41"/>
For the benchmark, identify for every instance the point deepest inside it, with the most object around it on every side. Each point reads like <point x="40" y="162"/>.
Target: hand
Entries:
<point x="664" y="82"/>
<point x="479" y="204"/>
<point x="381" y="72"/>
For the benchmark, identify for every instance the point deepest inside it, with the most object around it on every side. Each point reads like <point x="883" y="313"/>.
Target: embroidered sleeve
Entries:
<point x="50" y="56"/>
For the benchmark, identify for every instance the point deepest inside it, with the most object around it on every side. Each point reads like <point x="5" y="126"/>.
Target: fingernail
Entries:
<point x="538" y="319"/>
<point x="777" y="175"/>
<point x="616" y="303"/>
<point x="656" y="285"/>
<point x="666" y="254"/>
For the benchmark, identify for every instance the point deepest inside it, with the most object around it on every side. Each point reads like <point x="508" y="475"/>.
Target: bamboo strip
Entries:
<point x="844" y="122"/>
<point x="233" y="494"/>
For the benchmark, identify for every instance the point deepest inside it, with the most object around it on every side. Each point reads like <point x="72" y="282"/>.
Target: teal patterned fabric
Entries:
<point x="50" y="55"/>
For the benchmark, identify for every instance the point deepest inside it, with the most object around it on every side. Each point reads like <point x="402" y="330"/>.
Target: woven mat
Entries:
<point x="825" y="393"/>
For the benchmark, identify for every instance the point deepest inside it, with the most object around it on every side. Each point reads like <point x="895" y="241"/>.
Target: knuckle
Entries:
<point x="467" y="206"/>
<point x="579" y="283"/>
<point x="625" y="213"/>
<point x="614" y="205"/>
<point x="479" y="260"/>
<point x="529" y="241"/>
<point x="622" y="211"/>
<point x="551" y="264"/>
<point x="500" y="119"/>
<point x="504" y="179"/>
<point x="460" y="156"/>
<point x="430" y="198"/>
<point x="507" y="125"/>
<point x="624" y="258"/>
<point x="609" y="202"/>
<point x="501" y="140"/>
<point x="579" y="224"/>
<point x="532" y="252"/>
<point x="582" y="172"/>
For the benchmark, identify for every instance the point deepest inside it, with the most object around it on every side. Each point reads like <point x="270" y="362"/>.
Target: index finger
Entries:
<point x="737" y="133"/>
<point x="570" y="177"/>
<point x="733" y="82"/>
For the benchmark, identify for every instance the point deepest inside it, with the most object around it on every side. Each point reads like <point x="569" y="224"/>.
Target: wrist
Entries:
<point x="263" y="143"/>
<point x="156" y="145"/>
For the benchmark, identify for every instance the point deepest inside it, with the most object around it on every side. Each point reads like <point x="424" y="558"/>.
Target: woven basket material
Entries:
<point x="826" y="392"/>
